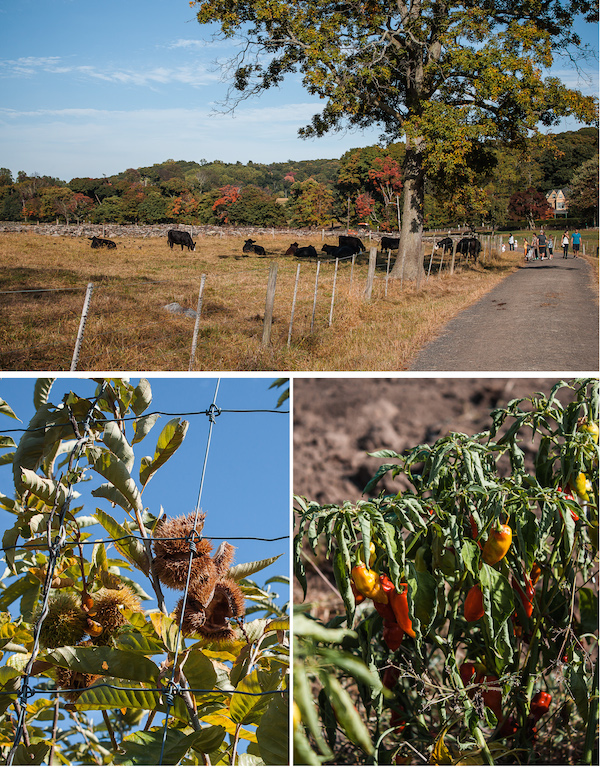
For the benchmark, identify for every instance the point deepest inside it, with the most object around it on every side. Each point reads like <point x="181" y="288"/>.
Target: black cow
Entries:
<point x="251" y="247"/>
<point x="390" y="243"/>
<point x="469" y="246"/>
<point x="446" y="243"/>
<point x="338" y="251"/>
<point x="352" y="242"/>
<point x="177" y="237"/>
<point x="304" y="252"/>
<point x="100" y="242"/>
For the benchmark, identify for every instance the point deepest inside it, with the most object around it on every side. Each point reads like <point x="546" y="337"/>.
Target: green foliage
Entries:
<point x="429" y="538"/>
<point x="207" y="696"/>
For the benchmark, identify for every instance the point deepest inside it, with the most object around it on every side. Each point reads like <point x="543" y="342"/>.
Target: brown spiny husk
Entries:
<point x="66" y="622"/>
<point x="212" y="620"/>
<point x="107" y="610"/>
<point x="69" y="678"/>
<point x="223" y="558"/>
<point x="172" y="558"/>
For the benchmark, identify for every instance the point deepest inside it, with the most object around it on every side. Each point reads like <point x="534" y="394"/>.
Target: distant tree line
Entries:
<point x="363" y="186"/>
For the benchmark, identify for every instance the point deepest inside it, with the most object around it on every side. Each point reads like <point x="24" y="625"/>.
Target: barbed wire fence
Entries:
<point x="166" y="693"/>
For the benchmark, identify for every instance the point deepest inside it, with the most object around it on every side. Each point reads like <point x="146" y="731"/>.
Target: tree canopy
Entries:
<point x="445" y="75"/>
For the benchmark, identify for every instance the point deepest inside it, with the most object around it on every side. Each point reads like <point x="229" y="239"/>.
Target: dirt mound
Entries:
<point x="338" y="421"/>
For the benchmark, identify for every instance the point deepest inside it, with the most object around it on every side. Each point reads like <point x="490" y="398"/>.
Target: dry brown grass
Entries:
<point x="128" y="329"/>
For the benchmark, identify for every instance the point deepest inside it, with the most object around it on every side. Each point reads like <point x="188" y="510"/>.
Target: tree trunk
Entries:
<point x="409" y="262"/>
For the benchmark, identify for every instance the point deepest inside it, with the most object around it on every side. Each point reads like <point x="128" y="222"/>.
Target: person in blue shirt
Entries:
<point x="576" y="240"/>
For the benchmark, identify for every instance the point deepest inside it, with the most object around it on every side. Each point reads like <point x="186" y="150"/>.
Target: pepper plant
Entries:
<point x="477" y="602"/>
<point x="91" y="676"/>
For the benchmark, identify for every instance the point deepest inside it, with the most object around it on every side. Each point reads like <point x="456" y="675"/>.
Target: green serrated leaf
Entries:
<point x="117" y="443"/>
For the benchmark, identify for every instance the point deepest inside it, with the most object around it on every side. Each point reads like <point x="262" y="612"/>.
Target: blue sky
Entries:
<point x="94" y="88"/>
<point x="246" y="490"/>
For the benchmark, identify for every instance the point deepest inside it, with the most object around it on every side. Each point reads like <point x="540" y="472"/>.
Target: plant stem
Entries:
<point x="592" y="723"/>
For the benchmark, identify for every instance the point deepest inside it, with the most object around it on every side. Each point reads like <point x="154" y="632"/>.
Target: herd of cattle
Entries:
<point x="348" y="245"/>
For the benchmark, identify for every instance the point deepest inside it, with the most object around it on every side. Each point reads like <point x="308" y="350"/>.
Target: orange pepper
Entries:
<point x="399" y="603"/>
<point x="497" y="545"/>
<point x="473" y="608"/>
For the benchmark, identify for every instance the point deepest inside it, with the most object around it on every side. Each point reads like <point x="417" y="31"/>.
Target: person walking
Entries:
<point x="511" y="242"/>
<point x="525" y="249"/>
<point x="542" y="244"/>
<point x="565" y="245"/>
<point x="550" y="247"/>
<point x="534" y="247"/>
<point x="576" y="240"/>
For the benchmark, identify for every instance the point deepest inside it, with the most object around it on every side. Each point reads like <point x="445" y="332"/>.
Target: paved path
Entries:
<point x="543" y="317"/>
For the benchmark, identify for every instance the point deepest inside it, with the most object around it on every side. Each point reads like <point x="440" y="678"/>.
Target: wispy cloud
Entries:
<point x="195" y="74"/>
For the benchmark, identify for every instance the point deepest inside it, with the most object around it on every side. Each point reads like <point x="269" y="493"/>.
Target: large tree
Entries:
<point x="444" y="75"/>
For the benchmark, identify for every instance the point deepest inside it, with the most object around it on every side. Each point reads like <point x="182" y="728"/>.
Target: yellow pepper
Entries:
<point x="497" y="545"/>
<point x="367" y="583"/>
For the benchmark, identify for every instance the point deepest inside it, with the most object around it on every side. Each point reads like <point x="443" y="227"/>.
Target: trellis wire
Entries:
<point x="55" y="547"/>
<point x="171" y="685"/>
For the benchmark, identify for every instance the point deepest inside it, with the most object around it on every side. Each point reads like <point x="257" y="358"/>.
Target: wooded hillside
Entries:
<point x="364" y="185"/>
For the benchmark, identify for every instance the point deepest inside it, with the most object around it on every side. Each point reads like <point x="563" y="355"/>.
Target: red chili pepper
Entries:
<point x="569" y="495"/>
<point x="398" y="721"/>
<point x="540" y="704"/>
<point x="390" y="677"/>
<point x="492" y="698"/>
<point x="508" y="728"/>
<point x="535" y="574"/>
<point x="358" y="598"/>
<point x="399" y="603"/>
<point x="475" y="531"/>
<point x="393" y="635"/>
<point x="526" y="597"/>
<point x="473" y="608"/>
<point x="383" y="609"/>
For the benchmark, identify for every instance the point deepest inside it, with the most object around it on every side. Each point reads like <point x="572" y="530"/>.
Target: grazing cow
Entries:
<point x="251" y="247"/>
<point x="177" y="237"/>
<point x="446" y="243"/>
<point x="469" y="246"/>
<point x="390" y="243"/>
<point x="100" y="242"/>
<point x="304" y="252"/>
<point x="338" y="251"/>
<point x="352" y="242"/>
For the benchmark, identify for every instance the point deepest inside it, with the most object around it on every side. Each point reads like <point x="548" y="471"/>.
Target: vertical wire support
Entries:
<point x="54" y="549"/>
<point x="212" y="413"/>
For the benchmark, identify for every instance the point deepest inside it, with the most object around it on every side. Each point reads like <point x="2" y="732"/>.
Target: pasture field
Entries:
<point x="128" y="328"/>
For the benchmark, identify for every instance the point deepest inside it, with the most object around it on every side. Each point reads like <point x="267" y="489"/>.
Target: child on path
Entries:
<point x="576" y="240"/>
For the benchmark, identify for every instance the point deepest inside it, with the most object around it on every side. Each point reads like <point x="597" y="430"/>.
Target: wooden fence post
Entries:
<point x="270" y="300"/>
<point x="431" y="260"/>
<point x="293" y="306"/>
<point x="442" y="260"/>
<point x="84" y="313"/>
<point x="453" y="256"/>
<point x="352" y="272"/>
<point x="387" y="273"/>
<point x="371" y="272"/>
<point x="197" y="324"/>
<point x="312" y="322"/>
<point x="337" y="261"/>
